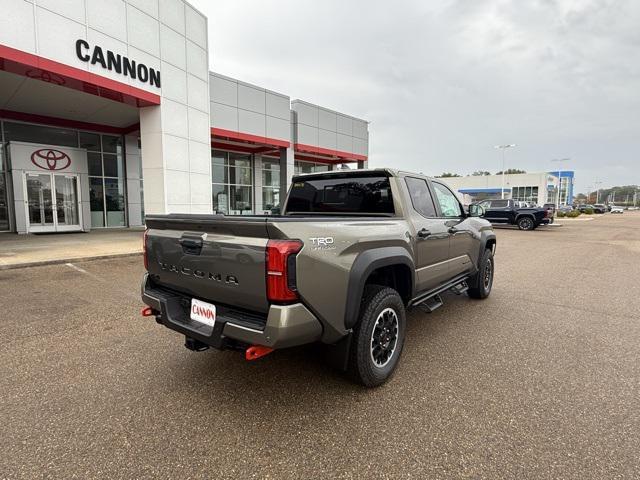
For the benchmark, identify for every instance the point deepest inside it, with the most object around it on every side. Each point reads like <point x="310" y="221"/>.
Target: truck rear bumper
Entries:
<point x="284" y="326"/>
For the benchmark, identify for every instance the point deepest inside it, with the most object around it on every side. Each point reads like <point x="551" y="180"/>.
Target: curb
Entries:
<point x="59" y="261"/>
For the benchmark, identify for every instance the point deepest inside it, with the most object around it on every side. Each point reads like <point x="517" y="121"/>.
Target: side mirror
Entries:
<point x="476" y="210"/>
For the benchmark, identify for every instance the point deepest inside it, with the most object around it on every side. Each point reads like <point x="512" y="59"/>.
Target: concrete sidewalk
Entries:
<point x="18" y="251"/>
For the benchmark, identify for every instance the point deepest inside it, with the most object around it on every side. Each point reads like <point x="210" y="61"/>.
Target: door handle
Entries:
<point x="453" y="230"/>
<point x="191" y="246"/>
<point x="424" y="233"/>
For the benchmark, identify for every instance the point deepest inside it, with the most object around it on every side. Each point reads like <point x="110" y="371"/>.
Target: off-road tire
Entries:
<point x="483" y="280"/>
<point x="377" y="302"/>
<point x="526" y="223"/>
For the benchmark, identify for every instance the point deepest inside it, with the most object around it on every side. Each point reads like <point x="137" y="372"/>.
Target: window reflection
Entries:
<point x="232" y="183"/>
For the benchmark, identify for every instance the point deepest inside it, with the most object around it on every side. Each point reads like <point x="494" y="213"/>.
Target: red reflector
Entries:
<point x="144" y="249"/>
<point x="280" y="280"/>
<point x="146" y="312"/>
<point x="256" y="351"/>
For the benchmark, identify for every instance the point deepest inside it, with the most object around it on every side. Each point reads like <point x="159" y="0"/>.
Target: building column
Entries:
<point x="176" y="159"/>
<point x="287" y="168"/>
<point x="134" y="172"/>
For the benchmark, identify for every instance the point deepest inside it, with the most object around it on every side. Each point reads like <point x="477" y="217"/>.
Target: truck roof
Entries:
<point x="392" y="172"/>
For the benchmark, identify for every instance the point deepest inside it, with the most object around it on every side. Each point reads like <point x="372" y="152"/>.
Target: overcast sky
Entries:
<point x="442" y="82"/>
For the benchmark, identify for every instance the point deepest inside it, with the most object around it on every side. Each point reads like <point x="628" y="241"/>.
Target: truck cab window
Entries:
<point x="346" y="194"/>
<point x="449" y="204"/>
<point x="420" y="196"/>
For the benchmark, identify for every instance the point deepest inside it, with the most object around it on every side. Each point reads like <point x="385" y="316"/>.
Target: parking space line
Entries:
<point x="81" y="270"/>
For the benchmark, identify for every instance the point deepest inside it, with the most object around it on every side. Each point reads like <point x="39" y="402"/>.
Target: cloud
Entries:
<point x="442" y="82"/>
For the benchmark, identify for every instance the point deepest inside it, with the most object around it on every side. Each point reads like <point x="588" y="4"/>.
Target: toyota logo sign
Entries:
<point x="49" y="159"/>
<point x="46" y="77"/>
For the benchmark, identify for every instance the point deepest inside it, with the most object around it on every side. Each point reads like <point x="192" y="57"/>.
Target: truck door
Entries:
<point x="430" y="236"/>
<point x="463" y="242"/>
<point x="500" y="211"/>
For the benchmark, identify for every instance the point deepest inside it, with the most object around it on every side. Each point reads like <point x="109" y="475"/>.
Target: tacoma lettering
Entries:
<point x="216" y="277"/>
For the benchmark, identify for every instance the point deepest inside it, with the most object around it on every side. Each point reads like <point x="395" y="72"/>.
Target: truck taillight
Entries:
<point x="281" y="270"/>
<point x="144" y="249"/>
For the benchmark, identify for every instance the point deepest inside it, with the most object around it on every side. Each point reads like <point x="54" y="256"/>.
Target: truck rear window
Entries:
<point x="349" y="195"/>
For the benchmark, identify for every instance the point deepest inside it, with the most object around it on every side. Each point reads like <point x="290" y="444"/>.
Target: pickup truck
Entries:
<point x="509" y="213"/>
<point x="349" y="254"/>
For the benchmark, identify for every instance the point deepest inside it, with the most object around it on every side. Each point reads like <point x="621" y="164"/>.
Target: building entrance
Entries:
<point x="52" y="203"/>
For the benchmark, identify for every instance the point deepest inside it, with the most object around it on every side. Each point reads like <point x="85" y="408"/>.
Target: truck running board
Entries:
<point x="431" y="303"/>
<point x="460" y="288"/>
<point x="431" y="300"/>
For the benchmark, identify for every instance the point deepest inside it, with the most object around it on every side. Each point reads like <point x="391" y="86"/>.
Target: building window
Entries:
<point x="301" y="167"/>
<point x="105" y="162"/>
<point x="525" y="194"/>
<point x="231" y="183"/>
<point x="27" y="132"/>
<point x="270" y="186"/>
<point x="564" y="190"/>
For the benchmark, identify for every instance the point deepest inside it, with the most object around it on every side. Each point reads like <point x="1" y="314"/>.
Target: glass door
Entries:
<point x="53" y="202"/>
<point x="67" y="204"/>
<point x="39" y="202"/>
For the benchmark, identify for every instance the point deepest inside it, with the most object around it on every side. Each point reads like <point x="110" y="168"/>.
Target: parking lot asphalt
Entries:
<point x="541" y="380"/>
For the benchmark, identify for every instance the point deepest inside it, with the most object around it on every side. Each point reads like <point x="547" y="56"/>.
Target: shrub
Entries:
<point x="588" y="211"/>
<point x="573" y="214"/>
<point x="561" y="214"/>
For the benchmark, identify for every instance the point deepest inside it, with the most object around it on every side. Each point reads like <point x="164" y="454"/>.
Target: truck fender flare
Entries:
<point x="485" y="238"/>
<point x="520" y="215"/>
<point x="364" y="264"/>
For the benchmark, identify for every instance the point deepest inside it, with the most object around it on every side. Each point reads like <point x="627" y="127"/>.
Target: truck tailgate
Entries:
<point x="210" y="257"/>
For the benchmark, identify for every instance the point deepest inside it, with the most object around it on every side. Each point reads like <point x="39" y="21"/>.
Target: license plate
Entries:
<point x="203" y="312"/>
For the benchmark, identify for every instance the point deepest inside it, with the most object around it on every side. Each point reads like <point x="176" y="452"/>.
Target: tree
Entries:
<point x="511" y="171"/>
<point x="622" y="195"/>
<point x="480" y="173"/>
<point x="447" y="175"/>
<point x="580" y="198"/>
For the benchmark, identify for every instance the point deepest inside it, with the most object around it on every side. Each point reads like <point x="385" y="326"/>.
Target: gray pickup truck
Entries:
<point x="351" y="251"/>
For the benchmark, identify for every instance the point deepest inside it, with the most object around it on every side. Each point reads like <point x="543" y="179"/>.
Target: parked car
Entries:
<point x="565" y="209"/>
<point x="585" y="206"/>
<point x="616" y="209"/>
<point x="351" y="252"/>
<point x="599" y="208"/>
<point x="508" y="212"/>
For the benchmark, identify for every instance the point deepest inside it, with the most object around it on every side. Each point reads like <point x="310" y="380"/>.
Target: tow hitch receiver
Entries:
<point x="256" y="351"/>
<point x="195" y="345"/>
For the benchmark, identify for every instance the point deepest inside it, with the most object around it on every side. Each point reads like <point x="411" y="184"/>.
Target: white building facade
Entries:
<point x="108" y="111"/>
<point x="538" y="187"/>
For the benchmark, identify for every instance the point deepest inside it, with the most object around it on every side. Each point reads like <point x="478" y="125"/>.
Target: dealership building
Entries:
<point x="539" y="187"/>
<point x="108" y="111"/>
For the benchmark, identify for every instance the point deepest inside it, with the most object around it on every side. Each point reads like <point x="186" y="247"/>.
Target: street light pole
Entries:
<point x="503" y="148"/>
<point x="597" y="185"/>
<point x="559" y="160"/>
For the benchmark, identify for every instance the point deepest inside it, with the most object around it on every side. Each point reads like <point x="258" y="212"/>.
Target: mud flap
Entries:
<point x="337" y="354"/>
